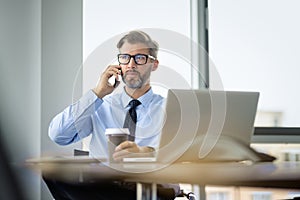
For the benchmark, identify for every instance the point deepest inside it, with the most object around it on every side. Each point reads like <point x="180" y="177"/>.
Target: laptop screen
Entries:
<point x="198" y="121"/>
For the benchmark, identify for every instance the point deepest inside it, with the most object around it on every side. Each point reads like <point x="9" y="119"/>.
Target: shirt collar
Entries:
<point x="144" y="99"/>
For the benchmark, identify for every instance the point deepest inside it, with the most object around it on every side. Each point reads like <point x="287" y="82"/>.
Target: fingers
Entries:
<point x="125" y="149"/>
<point x="126" y="145"/>
<point x="112" y="70"/>
<point x="118" y="156"/>
<point x="131" y="149"/>
<point x="104" y="87"/>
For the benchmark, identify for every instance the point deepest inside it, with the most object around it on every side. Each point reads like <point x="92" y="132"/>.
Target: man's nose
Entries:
<point x="131" y="63"/>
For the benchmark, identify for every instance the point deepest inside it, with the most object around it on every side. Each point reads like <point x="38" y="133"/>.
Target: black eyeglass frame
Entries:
<point x="134" y="58"/>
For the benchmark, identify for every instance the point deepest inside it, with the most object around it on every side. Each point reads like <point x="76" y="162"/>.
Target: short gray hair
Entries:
<point x="134" y="37"/>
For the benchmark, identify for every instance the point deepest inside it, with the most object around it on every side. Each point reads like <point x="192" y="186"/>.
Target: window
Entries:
<point x="261" y="196"/>
<point x="218" y="196"/>
<point x="104" y="20"/>
<point x="293" y="194"/>
<point x="254" y="46"/>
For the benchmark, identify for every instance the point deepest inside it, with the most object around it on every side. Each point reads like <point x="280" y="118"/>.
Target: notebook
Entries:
<point x="206" y="125"/>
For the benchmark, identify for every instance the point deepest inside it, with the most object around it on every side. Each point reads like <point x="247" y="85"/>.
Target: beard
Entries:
<point x="137" y="81"/>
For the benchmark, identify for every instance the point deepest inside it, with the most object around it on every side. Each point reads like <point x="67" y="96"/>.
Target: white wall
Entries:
<point x="61" y="62"/>
<point x="20" y="85"/>
<point x="40" y="54"/>
<point x="61" y="77"/>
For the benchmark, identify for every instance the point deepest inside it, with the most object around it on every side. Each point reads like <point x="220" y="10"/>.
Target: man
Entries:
<point x="100" y="109"/>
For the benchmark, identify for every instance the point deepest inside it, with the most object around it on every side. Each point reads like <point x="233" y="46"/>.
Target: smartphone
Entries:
<point x="113" y="81"/>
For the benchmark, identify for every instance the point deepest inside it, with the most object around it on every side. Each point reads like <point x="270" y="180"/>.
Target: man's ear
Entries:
<point x="155" y="65"/>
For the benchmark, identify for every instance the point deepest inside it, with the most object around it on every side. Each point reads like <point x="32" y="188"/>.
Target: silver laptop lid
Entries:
<point x="199" y="122"/>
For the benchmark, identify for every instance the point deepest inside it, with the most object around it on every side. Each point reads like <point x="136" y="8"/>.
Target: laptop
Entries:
<point x="207" y="126"/>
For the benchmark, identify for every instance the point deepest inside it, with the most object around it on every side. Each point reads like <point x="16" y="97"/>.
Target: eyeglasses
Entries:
<point x="139" y="59"/>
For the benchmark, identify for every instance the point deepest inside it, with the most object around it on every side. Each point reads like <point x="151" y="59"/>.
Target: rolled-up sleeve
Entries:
<point x="75" y="121"/>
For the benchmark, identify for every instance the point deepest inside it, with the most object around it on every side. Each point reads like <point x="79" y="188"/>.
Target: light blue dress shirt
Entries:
<point x="92" y="115"/>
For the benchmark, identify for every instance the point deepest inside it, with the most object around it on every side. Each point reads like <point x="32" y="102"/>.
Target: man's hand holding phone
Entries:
<point x="105" y="85"/>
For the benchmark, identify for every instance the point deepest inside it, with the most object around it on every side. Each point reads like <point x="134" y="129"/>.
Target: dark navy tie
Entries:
<point x="131" y="117"/>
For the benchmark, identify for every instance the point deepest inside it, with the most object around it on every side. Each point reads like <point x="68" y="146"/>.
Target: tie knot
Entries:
<point x="134" y="103"/>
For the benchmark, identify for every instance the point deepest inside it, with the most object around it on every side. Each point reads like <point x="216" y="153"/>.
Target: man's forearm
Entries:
<point x="75" y="122"/>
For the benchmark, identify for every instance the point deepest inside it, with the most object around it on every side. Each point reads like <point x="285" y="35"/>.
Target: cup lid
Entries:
<point x="110" y="131"/>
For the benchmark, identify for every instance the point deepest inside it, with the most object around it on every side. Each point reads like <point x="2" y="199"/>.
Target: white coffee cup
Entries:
<point x="115" y="136"/>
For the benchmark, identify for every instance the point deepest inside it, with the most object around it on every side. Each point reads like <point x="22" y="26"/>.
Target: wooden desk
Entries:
<point x="281" y="175"/>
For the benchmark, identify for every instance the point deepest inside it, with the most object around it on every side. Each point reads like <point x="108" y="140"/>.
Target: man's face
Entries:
<point x="135" y="76"/>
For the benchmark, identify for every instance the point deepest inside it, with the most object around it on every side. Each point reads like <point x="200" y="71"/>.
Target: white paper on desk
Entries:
<point x="140" y="159"/>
